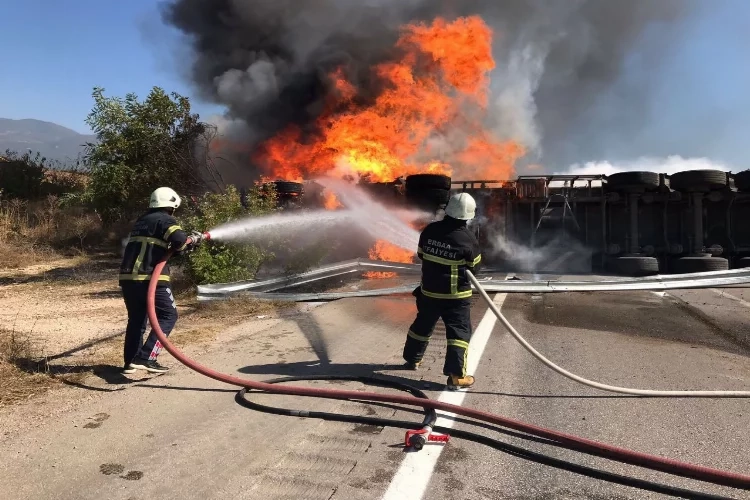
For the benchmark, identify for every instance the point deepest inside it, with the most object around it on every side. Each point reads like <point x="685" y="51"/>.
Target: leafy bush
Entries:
<point x="28" y="177"/>
<point x="110" y="193"/>
<point x="217" y="262"/>
<point x="142" y="146"/>
<point x="21" y="176"/>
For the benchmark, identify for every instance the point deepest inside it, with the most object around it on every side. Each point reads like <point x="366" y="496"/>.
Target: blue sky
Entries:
<point x="53" y="53"/>
<point x="701" y="104"/>
<point x="698" y="98"/>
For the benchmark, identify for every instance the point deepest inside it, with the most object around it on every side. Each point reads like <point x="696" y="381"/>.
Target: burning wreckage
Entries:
<point x="641" y="226"/>
<point x="628" y="223"/>
<point x="413" y="128"/>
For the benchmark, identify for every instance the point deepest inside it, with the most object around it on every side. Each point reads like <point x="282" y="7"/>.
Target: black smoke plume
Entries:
<point x="561" y="86"/>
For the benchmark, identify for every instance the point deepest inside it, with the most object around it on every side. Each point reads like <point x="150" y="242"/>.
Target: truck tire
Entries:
<point x="687" y="265"/>
<point x="631" y="181"/>
<point x="380" y="190"/>
<point x="636" y="266"/>
<point x="433" y="196"/>
<point x="742" y="180"/>
<point x="418" y="182"/>
<point x="698" y="180"/>
<point x="288" y="187"/>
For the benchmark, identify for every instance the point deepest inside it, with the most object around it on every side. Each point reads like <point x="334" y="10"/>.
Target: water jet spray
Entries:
<point x="377" y="220"/>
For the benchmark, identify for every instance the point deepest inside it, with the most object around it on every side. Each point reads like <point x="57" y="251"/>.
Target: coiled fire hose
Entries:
<point x="670" y="466"/>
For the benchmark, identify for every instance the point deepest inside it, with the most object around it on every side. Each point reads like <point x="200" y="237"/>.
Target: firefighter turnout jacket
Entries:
<point x="447" y="248"/>
<point x="152" y="235"/>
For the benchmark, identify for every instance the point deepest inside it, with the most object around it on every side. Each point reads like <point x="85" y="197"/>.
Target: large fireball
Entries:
<point x="428" y="118"/>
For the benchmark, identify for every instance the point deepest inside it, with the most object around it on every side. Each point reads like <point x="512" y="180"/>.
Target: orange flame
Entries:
<point x="432" y="106"/>
<point x="330" y="202"/>
<point x="382" y="250"/>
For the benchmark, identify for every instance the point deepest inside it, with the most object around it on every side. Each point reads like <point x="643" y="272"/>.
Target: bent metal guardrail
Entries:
<point x="269" y="288"/>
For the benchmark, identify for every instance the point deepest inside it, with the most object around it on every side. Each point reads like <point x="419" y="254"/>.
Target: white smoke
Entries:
<point x="229" y="128"/>
<point x="515" y="108"/>
<point x="562" y="254"/>
<point x="521" y="66"/>
<point x="669" y="165"/>
<point x="257" y="84"/>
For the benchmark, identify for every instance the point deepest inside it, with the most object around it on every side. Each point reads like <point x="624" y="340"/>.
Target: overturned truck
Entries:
<point x="628" y="223"/>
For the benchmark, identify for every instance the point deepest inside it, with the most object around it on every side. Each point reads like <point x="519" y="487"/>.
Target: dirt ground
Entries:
<point x="62" y="304"/>
<point x="62" y="325"/>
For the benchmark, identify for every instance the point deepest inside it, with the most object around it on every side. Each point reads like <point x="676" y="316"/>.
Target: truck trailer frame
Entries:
<point x="632" y="223"/>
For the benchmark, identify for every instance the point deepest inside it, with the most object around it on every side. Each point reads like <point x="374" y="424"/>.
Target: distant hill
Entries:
<point x="49" y="139"/>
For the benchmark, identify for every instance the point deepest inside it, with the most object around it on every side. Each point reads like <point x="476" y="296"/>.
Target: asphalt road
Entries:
<point x="180" y="435"/>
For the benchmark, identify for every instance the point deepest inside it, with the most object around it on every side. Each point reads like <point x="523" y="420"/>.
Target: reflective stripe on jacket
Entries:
<point x="447" y="248"/>
<point x="152" y="235"/>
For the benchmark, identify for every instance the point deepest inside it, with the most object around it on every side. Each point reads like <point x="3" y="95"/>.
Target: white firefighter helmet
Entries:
<point x="461" y="206"/>
<point x="164" y="197"/>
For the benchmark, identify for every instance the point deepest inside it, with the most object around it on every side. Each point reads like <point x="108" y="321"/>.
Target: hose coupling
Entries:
<point x="417" y="438"/>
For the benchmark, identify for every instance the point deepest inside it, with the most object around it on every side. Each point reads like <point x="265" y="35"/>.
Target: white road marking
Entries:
<point x="413" y="476"/>
<point x="731" y="297"/>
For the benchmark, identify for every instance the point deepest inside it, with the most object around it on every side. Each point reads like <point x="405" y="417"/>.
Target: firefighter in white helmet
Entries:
<point x="152" y="235"/>
<point x="447" y="249"/>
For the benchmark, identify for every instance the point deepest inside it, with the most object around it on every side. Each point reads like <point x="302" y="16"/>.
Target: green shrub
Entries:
<point x="21" y="176"/>
<point x="30" y="178"/>
<point x="110" y="192"/>
<point x="218" y="262"/>
<point x="140" y="146"/>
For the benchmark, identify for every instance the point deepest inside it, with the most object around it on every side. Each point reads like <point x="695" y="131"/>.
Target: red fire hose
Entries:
<point x="654" y="462"/>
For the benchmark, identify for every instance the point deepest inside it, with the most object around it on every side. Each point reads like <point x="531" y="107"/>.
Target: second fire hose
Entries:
<point x="670" y="466"/>
<point x="591" y="383"/>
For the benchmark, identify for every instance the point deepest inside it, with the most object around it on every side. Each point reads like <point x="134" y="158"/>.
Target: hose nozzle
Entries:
<point x="197" y="237"/>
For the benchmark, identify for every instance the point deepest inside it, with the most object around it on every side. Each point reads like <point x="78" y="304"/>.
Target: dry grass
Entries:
<point x="31" y="233"/>
<point x="18" y="255"/>
<point x="25" y="374"/>
<point x="66" y="180"/>
<point x="17" y="385"/>
<point x="23" y="371"/>
<point x="197" y="336"/>
<point x="233" y="310"/>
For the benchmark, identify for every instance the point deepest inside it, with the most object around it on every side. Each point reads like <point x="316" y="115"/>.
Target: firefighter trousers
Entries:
<point x="134" y="294"/>
<point x="456" y="315"/>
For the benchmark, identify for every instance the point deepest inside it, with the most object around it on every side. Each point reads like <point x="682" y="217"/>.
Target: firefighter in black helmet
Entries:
<point x="152" y="235"/>
<point x="447" y="249"/>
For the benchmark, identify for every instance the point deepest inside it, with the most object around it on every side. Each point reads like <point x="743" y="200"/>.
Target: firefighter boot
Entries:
<point x="412" y="365"/>
<point x="457" y="383"/>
